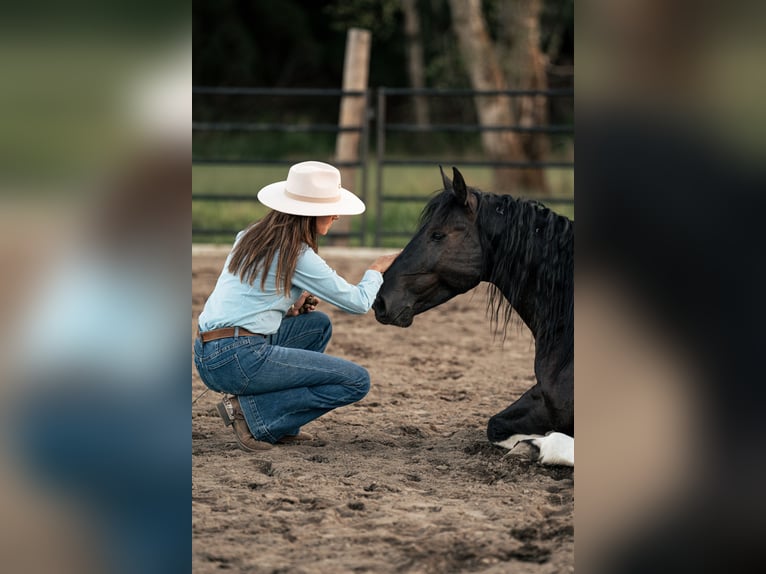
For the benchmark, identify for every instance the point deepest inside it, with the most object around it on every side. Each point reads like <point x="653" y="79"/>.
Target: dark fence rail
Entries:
<point x="477" y="128"/>
<point x="452" y="92"/>
<point x="240" y="91"/>
<point x="248" y="127"/>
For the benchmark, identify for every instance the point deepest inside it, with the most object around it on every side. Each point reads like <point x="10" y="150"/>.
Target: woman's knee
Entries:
<point x="361" y="384"/>
<point x="322" y="320"/>
<point x="320" y="324"/>
<point x="317" y="319"/>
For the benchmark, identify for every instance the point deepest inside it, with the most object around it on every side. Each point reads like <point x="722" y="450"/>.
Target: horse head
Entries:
<point x="442" y="260"/>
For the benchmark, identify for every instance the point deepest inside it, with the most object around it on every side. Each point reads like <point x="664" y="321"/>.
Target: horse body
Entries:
<point x="526" y="252"/>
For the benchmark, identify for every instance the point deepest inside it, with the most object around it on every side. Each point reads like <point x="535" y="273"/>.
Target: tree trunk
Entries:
<point x="486" y="74"/>
<point x="525" y="66"/>
<point x="415" y="65"/>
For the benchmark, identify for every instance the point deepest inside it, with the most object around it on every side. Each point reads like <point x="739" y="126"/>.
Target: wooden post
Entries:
<point x="356" y="67"/>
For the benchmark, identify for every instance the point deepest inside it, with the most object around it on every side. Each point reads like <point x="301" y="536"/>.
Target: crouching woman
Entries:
<point x="260" y="339"/>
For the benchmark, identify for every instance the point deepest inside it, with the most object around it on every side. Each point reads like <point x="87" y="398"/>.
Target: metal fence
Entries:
<point x="250" y="127"/>
<point x="383" y="128"/>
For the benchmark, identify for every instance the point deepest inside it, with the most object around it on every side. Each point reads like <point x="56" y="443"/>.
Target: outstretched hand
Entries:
<point x="384" y="262"/>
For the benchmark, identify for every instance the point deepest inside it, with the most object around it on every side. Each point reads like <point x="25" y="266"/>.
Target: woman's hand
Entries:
<point x="305" y="304"/>
<point x="309" y="304"/>
<point x="384" y="262"/>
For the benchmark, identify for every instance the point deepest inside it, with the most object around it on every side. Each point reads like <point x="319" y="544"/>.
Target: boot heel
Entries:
<point x="222" y="410"/>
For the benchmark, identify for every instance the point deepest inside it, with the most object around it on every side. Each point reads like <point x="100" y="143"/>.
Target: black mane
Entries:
<point x="527" y="242"/>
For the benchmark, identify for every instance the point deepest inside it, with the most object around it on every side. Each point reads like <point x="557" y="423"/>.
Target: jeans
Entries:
<point x="285" y="380"/>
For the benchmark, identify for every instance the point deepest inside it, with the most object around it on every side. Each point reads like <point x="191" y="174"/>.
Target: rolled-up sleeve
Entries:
<point x="312" y="274"/>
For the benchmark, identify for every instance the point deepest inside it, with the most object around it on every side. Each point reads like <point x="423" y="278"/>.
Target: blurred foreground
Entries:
<point x="669" y="282"/>
<point x="94" y="247"/>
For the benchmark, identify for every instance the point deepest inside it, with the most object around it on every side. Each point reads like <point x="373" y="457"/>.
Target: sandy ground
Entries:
<point x="404" y="480"/>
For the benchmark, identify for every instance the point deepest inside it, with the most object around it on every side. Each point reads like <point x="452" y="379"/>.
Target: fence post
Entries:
<point x="380" y="150"/>
<point x="364" y="161"/>
<point x="352" y="108"/>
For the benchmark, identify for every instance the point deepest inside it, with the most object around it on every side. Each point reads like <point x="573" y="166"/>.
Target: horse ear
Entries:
<point x="445" y="180"/>
<point x="461" y="192"/>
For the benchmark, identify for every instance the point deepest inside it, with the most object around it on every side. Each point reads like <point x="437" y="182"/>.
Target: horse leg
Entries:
<point x="553" y="448"/>
<point x="529" y="415"/>
<point x="525" y="422"/>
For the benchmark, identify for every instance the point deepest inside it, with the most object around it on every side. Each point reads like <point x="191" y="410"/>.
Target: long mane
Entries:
<point x="528" y="242"/>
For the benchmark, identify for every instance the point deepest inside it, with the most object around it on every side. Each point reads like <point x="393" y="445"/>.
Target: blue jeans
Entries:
<point x="285" y="380"/>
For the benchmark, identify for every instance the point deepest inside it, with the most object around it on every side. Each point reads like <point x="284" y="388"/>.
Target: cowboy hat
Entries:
<point x="311" y="188"/>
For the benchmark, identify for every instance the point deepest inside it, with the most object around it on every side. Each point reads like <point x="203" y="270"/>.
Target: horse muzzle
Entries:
<point x="387" y="316"/>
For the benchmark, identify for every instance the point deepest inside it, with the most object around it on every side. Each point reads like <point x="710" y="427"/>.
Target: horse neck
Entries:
<point x="524" y="300"/>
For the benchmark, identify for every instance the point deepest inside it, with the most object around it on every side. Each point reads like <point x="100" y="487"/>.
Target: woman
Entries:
<point x="260" y="339"/>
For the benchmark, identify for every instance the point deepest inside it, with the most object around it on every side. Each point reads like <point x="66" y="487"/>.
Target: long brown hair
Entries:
<point x="277" y="232"/>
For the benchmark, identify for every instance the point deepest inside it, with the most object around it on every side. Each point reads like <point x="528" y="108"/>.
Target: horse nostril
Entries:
<point x="379" y="306"/>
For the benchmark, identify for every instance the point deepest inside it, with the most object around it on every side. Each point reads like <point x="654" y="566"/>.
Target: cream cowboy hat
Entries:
<point x="311" y="188"/>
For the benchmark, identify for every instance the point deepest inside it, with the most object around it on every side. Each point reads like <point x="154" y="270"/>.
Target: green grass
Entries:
<point x="397" y="181"/>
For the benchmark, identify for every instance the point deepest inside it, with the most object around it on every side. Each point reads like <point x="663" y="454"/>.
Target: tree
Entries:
<point x="415" y="64"/>
<point x="482" y="60"/>
<point x="525" y="64"/>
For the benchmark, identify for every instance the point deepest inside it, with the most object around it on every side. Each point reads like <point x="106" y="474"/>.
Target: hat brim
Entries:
<point x="273" y="196"/>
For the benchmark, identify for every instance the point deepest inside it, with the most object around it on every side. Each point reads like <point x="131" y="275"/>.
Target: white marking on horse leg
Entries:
<point x="515" y="439"/>
<point x="555" y="448"/>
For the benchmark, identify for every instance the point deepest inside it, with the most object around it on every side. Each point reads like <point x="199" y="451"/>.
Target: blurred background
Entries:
<point x="386" y="90"/>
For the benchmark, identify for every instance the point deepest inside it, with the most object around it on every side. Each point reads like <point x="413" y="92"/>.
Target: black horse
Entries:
<point x="525" y="251"/>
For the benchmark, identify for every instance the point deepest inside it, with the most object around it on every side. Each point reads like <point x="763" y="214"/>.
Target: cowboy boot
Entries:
<point x="231" y="413"/>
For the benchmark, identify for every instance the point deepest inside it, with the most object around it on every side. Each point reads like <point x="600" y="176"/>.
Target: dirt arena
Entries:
<point x="403" y="481"/>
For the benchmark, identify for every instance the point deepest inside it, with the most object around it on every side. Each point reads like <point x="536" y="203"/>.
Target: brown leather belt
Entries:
<point x="227" y="332"/>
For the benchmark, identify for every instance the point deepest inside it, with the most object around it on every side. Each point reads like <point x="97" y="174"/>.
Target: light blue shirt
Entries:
<point x="236" y="303"/>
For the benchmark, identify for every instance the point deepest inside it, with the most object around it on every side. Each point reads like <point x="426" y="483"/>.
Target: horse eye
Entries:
<point x="437" y="236"/>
